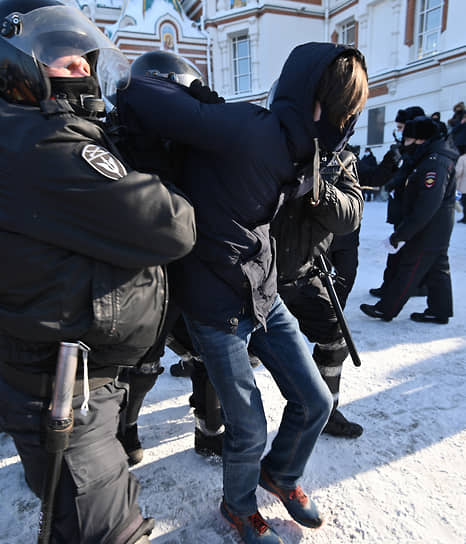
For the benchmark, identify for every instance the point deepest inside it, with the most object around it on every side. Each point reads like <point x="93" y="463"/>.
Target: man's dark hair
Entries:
<point x="343" y="89"/>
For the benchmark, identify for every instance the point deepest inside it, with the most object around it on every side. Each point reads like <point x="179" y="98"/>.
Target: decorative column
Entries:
<point x="224" y="63"/>
<point x="254" y="44"/>
<point x="396" y="36"/>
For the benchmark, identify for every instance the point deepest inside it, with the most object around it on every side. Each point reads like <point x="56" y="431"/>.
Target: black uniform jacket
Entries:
<point x="240" y="167"/>
<point x="303" y="231"/>
<point x="429" y="198"/>
<point x="82" y="240"/>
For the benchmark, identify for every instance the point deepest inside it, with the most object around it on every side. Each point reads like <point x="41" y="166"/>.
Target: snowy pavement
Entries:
<point x="403" y="481"/>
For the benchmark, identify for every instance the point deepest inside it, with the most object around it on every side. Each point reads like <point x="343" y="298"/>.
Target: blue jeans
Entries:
<point x="286" y="355"/>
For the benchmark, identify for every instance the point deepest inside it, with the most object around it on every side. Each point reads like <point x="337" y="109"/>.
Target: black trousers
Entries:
<point x="411" y="268"/>
<point x="312" y="307"/>
<point x="96" y="501"/>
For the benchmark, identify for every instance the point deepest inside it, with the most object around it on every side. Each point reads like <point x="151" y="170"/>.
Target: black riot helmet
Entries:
<point x="35" y="33"/>
<point x="168" y="65"/>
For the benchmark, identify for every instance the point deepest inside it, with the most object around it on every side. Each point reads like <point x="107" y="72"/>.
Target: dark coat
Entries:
<point x="82" y="252"/>
<point x="429" y="197"/>
<point x="240" y="167"/>
<point x="458" y="135"/>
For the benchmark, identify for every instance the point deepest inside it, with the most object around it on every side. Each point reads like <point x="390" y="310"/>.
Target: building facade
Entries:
<point x="415" y="49"/>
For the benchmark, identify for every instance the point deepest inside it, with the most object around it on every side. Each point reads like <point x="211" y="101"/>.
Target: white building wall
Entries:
<point x="397" y="78"/>
<point x="435" y="82"/>
<point x="279" y="38"/>
<point x="272" y="37"/>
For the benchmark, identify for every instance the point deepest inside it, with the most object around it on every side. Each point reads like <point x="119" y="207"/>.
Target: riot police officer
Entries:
<point x="150" y="153"/>
<point x="85" y="237"/>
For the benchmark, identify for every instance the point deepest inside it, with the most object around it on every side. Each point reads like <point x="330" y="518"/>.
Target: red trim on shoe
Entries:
<point x="256" y="521"/>
<point x="299" y="494"/>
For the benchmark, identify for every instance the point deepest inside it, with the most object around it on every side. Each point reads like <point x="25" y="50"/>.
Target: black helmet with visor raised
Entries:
<point x="34" y="33"/>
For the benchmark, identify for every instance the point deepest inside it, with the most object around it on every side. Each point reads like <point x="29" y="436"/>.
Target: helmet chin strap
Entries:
<point x="81" y="92"/>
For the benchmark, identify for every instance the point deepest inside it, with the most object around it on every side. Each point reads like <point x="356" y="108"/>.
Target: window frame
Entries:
<point x="421" y="34"/>
<point x="374" y="130"/>
<point x="344" y="31"/>
<point x="237" y="75"/>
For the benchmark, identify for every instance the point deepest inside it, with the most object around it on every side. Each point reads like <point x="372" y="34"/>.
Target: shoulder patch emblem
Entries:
<point x="430" y="179"/>
<point x="103" y="161"/>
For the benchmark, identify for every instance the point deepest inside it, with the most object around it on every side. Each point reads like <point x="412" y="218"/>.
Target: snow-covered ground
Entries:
<point x="403" y="481"/>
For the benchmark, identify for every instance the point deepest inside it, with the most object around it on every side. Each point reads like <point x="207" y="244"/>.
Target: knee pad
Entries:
<point x="329" y="359"/>
<point x="331" y="354"/>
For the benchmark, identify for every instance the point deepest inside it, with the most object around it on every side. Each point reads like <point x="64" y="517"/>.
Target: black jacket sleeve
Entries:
<point x="62" y="200"/>
<point x="341" y="202"/>
<point x="166" y="110"/>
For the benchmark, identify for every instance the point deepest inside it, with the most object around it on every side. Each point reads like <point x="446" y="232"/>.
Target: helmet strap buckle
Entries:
<point x="11" y="25"/>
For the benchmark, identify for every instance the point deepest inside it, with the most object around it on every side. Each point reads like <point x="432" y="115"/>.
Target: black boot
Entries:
<point x="207" y="442"/>
<point x="183" y="368"/>
<point x="131" y="444"/>
<point x="208" y="445"/>
<point x="428" y="317"/>
<point x="376" y="292"/>
<point x="373" y="311"/>
<point x="338" y="425"/>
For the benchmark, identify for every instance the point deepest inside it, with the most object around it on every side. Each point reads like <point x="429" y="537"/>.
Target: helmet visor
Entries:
<point x="271" y="95"/>
<point x="51" y="32"/>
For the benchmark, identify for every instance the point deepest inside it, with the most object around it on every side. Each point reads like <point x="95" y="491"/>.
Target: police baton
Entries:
<point x="327" y="279"/>
<point x="59" y="427"/>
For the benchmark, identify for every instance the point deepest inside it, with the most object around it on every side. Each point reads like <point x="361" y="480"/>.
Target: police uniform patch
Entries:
<point x="430" y="179"/>
<point x="103" y="161"/>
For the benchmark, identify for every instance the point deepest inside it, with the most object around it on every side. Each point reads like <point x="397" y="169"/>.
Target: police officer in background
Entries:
<point x="85" y="237"/>
<point x="402" y="153"/>
<point x="426" y="225"/>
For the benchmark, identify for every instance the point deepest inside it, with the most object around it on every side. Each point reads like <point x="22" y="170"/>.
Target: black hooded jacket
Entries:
<point x="82" y="240"/>
<point x="240" y="167"/>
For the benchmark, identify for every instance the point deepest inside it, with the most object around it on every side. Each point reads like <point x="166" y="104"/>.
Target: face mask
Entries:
<point x="75" y="89"/>
<point x="409" y="149"/>
<point x="331" y="138"/>
<point x="398" y="136"/>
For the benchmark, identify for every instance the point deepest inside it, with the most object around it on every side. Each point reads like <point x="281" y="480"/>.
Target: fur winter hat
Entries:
<point x="425" y="128"/>
<point x="408" y="114"/>
<point x="409" y="130"/>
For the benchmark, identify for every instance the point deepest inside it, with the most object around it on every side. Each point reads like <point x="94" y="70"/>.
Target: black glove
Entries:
<point x="392" y="157"/>
<point x="390" y="185"/>
<point x="204" y="94"/>
<point x="394" y="240"/>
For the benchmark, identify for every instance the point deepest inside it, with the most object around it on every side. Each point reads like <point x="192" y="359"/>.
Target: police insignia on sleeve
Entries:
<point x="103" y="161"/>
<point x="430" y="178"/>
